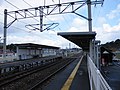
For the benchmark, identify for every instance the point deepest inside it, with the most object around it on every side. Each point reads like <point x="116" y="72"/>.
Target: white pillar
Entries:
<point x="89" y="15"/>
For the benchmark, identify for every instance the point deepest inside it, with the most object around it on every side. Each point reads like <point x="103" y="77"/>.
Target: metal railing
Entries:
<point x="97" y="81"/>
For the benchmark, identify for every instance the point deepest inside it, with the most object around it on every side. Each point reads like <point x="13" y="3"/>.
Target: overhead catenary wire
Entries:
<point x="32" y="7"/>
<point x="11" y="4"/>
<point x="27" y="3"/>
<point x="19" y="21"/>
<point x="18" y="8"/>
<point x="29" y="32"/>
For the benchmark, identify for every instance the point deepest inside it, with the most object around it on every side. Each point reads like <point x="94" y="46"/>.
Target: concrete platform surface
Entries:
<point x="80" y="80"/>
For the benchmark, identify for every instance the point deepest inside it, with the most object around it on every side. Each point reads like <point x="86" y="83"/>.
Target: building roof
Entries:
<point x="106" y="51"/>
<point x="37" y="46"/>
<point x="81" y="39"/>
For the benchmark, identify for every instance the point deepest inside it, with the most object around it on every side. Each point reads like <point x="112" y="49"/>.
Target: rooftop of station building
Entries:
<point x="32" y="45"/>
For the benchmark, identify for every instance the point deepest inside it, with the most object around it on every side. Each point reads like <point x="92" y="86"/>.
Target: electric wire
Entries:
<point x="14" y="27"/>
<point x="45" y="16"/>
<point x="29" y="32"/>
<point x="27" y="3"/>
<point x="19" y="8"/>
<point x="32" y="7"/>
<point x="11" y="4"/>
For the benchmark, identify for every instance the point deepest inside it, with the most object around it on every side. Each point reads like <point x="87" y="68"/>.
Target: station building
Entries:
<point x="30" y="50"/>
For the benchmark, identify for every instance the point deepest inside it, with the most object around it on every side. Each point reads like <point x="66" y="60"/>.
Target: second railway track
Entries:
<point x="34" y="79"/>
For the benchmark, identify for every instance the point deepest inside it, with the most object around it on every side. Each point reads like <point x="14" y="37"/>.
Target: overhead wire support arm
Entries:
<point x="68" y="7"/>
<point x="81" y="15"/>
<point x="47" y="10"/>
<point x="8" y="25"/>
<point x="81" y="5"/>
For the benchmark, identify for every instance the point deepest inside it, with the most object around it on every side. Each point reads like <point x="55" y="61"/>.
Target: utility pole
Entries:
<point x="5" y="33"/>
<point x="90" y="26"/>
<point x="89" y="16"/>
<point x="41" y="19"/>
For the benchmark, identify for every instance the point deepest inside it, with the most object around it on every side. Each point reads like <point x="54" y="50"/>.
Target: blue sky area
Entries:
<point x="105" y="22"/>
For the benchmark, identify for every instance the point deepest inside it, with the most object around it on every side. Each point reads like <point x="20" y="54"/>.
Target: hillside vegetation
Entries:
<point x="113" y="45"/>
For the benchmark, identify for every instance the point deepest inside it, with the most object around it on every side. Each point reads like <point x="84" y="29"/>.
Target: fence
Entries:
<point x="97" y="81"/>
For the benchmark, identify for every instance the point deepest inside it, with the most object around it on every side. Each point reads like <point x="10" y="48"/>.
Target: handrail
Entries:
<point x="97" y="81"/>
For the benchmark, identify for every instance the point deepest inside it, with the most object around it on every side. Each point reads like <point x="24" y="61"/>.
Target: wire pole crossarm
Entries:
<point x="69" y="7"/>
<point x="47" y="10"/>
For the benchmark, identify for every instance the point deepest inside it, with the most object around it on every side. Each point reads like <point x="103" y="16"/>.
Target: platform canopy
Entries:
<point x="81" y="39"/>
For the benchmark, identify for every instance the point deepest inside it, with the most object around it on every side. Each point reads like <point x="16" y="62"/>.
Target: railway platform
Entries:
<point x="73" y="77"/>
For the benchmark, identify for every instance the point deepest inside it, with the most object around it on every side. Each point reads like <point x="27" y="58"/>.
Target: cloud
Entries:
<point x="39" y="38"/>
<point x="100" y="21"/>
<point x="73" y="29"/>
<point x="79" y="25"/>
<point x="114" y="13"/>
<point x="79" y="22"/>
<point x="107" y="33"/>
<point x="52" y="18"/>
<point x="112" y="29"/>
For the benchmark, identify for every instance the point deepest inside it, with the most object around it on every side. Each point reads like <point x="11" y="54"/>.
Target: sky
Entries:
<point x="105" y="22"/>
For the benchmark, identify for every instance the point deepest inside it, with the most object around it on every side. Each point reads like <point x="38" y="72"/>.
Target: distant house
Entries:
<point x="106" y="56"/>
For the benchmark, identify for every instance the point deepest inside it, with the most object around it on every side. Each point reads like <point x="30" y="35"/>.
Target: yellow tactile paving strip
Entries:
<point x="68" y="83"/>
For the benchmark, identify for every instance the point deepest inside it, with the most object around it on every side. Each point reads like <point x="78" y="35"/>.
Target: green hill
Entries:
<point x="113" y="45"/>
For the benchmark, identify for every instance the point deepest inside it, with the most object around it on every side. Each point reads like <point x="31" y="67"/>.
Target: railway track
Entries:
<point x="19" y="75"/>
<point x="38" y="85"/>
<point x="34" y="78"/>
